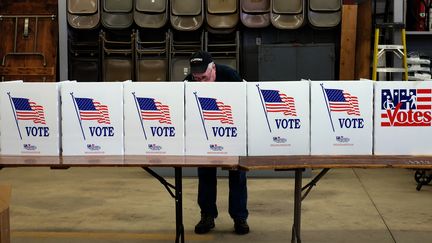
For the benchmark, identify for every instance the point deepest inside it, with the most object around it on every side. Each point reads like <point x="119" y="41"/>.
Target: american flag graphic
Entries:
<point x="278" y="102"/>
<point x="29" y="110"/>
<point x="340" y="101"/>
<point x="154" y="110"/>
<point x="91" y="110"/>
<point x="214" y="110"/>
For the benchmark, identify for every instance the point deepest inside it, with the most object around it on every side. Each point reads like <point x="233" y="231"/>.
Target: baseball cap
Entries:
<point x="199" y="61"/>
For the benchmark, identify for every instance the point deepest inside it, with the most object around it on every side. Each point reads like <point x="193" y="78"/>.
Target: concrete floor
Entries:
<point x="126" y="205"/>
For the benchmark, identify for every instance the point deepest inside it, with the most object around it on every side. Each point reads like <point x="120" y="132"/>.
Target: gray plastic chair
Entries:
<point x="181" y="48"/>
<point x="117" y="60"/>
<point x="151" y="13"/>
<point x="151" y="57"/>
<point x="222" y="14"/>
<point x="117" y="14"/>
<point x="186" y="15"/>
<point x="325" y="14"/>
<point x="83" y="14"/>
<point x="287" y="14"/>
<point x="255" y="13"/>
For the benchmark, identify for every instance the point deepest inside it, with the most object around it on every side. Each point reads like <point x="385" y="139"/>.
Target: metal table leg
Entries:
<point x="298" y="198"/>
<point x="177" y="195"/>
<point x="295" y="236"/>
<point x="179" y="205"/>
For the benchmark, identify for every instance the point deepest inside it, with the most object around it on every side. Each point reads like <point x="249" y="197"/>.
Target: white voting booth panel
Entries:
<point x="215" y="118"/>
<point x="154" y="118"/>
<point x="341" y="117"/>
<point x="29" y="118"/>
<point x="403" y="120"/>
<point x="278" y="118"/>
<point x="92" y="118"/>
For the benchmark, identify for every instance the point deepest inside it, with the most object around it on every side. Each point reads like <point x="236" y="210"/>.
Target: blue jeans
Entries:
<point x="207" y="190"/>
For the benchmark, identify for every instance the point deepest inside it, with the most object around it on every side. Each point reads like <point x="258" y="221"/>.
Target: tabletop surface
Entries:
<point x="244" y="162"/>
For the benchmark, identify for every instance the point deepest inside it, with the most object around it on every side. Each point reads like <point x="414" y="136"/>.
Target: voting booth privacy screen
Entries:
<point x="341" y="117"/>
<point x="154" y="118"/>
<point x="403" y="120"/>
<point x="92" y="118"/>
<point x="29" y="119"/>
<point x="215" y="116"/>
<point x="278" y="118"/>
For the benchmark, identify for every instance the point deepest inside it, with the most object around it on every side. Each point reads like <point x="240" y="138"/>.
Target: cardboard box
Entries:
<point x="30" y="120"/>
<point x="92" y="118"/>
<point x="215" y="118"/>
<point x="341" y="117"/>
<point x="403" y="117"/>
<point x="154" y="118"/>
<point x="278" y="118"/>
<point x="5" y="195"/>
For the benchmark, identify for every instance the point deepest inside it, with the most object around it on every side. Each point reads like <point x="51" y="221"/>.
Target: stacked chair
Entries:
<point x="222" y="15"/>
<point x="28" y="40"/>
<point x="255" y="13"/>
<point x="325" y="14"/>
<point x="287" y="14"/>
<point x="186" y="15"/>
<point x="150" y="13"/>
<point x="225" y="49"/>
<point x="83" y="40"/>
<point x="181" y="48"/>
<point x="117" y="14"/>
<point x="84" y="55"/>
<point x="151" y="56"/>
<point x="117" y="55"/>
<point x="83" y="14"/>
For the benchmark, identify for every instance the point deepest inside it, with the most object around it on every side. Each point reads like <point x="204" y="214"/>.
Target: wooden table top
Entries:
<point x="335" y="161"/>
<point x="244" y="162"/>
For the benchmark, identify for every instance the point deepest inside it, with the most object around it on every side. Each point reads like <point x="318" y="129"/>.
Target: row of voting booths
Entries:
<point x="216" y="119"/>
<point x="189" y="15"/>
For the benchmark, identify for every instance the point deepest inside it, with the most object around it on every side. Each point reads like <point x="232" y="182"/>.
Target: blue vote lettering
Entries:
<point x="102" y="131"/>
<point x="37" y="131"/>
<point x="163" y="131"/>
<point x="287" y="123"/>
<point x="351" y="123"/>
<point x="225" y="131"/>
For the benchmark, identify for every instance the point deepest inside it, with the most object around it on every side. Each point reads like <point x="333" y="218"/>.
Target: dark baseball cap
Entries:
<point x="199" y="61"/>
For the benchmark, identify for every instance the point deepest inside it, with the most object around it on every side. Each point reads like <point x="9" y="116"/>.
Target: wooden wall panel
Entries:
<point x="16" y="60"/>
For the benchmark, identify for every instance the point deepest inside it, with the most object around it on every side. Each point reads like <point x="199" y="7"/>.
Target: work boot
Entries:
<point x="205" y="224"/>
<point x="241" y="227"/>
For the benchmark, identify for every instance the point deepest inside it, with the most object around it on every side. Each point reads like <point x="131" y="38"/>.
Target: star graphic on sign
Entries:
<point x="395" y="93"/>
<point x="403" y="93"/>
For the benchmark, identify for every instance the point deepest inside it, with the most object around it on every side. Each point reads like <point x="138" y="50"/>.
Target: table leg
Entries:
<point x="295" y="237"/>
<point x="179" y="205"/>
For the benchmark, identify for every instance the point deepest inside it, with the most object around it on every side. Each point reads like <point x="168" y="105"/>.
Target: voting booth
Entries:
<point x="215" y="116"/>
<point x="341" y="117"/>
<point x="278" y="118"/>
<point x="154" y="118"/>
<point x="29" y="119"/>
<point x="92" y="118"/>
<point x="403" y="120"/>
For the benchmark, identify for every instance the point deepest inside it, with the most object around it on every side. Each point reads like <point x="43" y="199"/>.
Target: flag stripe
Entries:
<point x="28" y="110"/>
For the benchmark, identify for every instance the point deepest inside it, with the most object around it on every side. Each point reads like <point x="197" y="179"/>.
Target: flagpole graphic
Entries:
<point x="201" y="115"/>
<point x="139" y="115"/>
<point x="262" y="103"/>
<point x="327" y="105"/>
<point x="13" y="110"/>
<point x="78" y="115"/>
